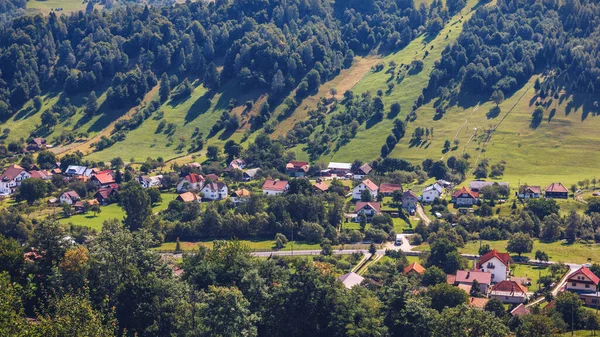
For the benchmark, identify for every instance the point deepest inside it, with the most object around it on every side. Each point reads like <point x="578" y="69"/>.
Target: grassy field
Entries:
<point x="49" y="5"/>
<point x="531" y="272"/>
<point x="260" y="245"/>
<point x="112" y="211"/>
<point x="557" y="251"/>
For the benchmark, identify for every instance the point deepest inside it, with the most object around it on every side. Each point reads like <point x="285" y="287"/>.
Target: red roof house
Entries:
<point x="388" y="189"/>
<point x="275" y="187"/>
<point x="557" y="190"/>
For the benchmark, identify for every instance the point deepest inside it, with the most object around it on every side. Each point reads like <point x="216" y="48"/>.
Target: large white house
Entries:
<point x="215" y="190"/>
<point x="432" y="192"/>
<point x="509" y="292"/>
<point x="496" y="263"/>
<point x="11" y="179"/>
<point x="275" y="187"/>
<point x="70" y="197"/>
<point x="366" y="184"/>
<point x="583" y="280"/>
<point x="148" y="182"/>
<point x="192" y="181"/>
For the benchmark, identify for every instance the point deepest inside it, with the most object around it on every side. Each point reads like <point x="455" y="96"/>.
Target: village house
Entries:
<point x="215" y="190"/>
<point x="366" y="184"/>
<point x="520" y="310"/>
<point x="212" y="177"/>
<point x="297" y="168"/>
<point x="36" y="144"/>
<point x="351" y="279"/>
<point x="240" y="195"/>
<point x="188" y="197"/>
<point x="557" y="191"/>
<point x="415" y="269"/>
<point x="78" y="171"/>
<point x="478" y="185"/>
<point x="106" y="195"/>
<point x="478" y="302"/>
<point x="362" y="171"/>
<point x="432" y="192"/>
<point x="409" y="200"/>
<point x="275" y="187"/>
<point x="339" y="169"/>
<point x="320" y="187"/>
<point x="11" y="179"/>
<point x="103" y="179"/>
<point x="465" y="198"/>
<point x="69" y="197"/>
<point x="466" y="278"/>
<point x="192" y="181"/>
<point x="250" y="174"/>
<point x="83" y="206"/>
<point x="496" y="263"/>
<point x="388" y="189"/>
<point x="148" y="182"/>
<point x="583" y="280"/>
<point x="369" y="209"/>
<point x="237" y="164"/>
<point x="41" y="174"/>
<point x="530" y="192"/>
<point x="509" y="292"/>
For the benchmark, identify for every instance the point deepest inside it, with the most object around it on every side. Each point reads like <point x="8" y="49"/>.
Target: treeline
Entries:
<point x="10" y="9"/>
<point x="502" y="46"/>
<point x="271" y="45"/>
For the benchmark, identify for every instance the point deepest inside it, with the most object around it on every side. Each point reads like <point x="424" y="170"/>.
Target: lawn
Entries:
<point x="112" y="211"/>
<point x="48" y="5"/>
<point x="531" y="272"/>
<point x="557" y="251"/>
<point x="259" y="245"/>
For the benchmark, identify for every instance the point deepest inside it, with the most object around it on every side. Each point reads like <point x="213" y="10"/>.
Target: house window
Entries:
<point x="587" y="285"/>
<point x="574" y="284"/>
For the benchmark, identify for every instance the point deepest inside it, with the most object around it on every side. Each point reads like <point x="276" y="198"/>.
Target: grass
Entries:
<point x="531" y="272"/>
<point x="48" y="5"/>
<point x="253" y="244"/>
<point x="112" y="211"/>
<point x="367" y="143"/>
<point x="557" y="251"/>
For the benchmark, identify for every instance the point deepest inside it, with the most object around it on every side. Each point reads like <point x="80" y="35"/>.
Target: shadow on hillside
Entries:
<point x="108" y="114"/>
<point x="199" y="107"/>
<point x="24" y="113"/>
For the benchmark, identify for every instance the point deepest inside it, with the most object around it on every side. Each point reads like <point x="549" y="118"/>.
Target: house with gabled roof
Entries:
<point x="466" y="277"/>
<point x="415" y="269"/>
<point x="297" y="168"/>
<point x="250" y="174"/>
<point x="321" y="187"/>
<point x="465" y="197"/>
<point x="41" y="174"/>
<point x="236" y="164"/>
<point x="148" y="182"/>
<point x="409" y="200"/>
<point x="103" y="179"/>
<point x="496" y="263"/>
<point x="530" y="192"/>
<point x="557" y="191"/>
<point x="362" y="171"/>
<point x="36" y="144"/>
<point x="188" y="197"/>
<point x="70" y="197"/>
<point x="388" y="189"/>
<point x="351" y="279"/>
<point x="520" y="310"/>
<point x="240" y="195"/>
<point x="106" y="195"/>
<point x="369" y="209"/>
<point x="192" y="181"/>
<point x="509" y="292"/>
<point x="339" y="169"/>
<point x="11" y="179"/>
<point x="275" y="187"/>
<point x="366" y="184"/>
<point x="583" y="280"/>
<point x="432" y="192"/>
<point x="215" y="190"/>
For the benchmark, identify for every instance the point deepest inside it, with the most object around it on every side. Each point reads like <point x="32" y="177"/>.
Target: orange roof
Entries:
<point x="451" y="279"/>
<point x="321" y="186"/>
<point x="503" y="257"/>
<point x="194" y="178"/>
<point x="275" y="185"/>
<point x="464" y="190"/>
<point x="104" y="178"/>
<point x="416" y="267"/>
<point x="511" y="287"/>
<point x="476" y="302"/>
<point x="389" y="188"/>
<point x="370" y="185"/>
<point x="188" y="197"/>
<point x="361" y="204"/>
<point x="241" y="193"/>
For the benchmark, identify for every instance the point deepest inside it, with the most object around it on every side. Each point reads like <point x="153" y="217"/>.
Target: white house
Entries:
<point x="69" y="197"/>
<point x="215" y="190"/>
<point x="339" y="169"/>
<point x="192" y="181"/>
<point x="509" y="292"/>
<point x="11" y="179"/>
<point x="369" y="209"/>
<point x="466" y="277"/>
<point x="530" y="192"/>
<point x="465" y="197"/>
<point x="432" y="192"/>
<point x="365" y="184"/>
<point x="147" y="182"/>
<point x="275" y="187"/>
<point x="351" y="279"/>
<point x="362" y="171"/>
<point x="496" y="263"/>
<point x="583" y="280"/>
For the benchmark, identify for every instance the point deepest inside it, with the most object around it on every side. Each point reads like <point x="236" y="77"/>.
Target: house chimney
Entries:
<point x="468" y="274"/>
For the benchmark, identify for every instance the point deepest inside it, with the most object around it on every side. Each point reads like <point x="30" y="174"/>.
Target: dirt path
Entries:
<point x="422" y="215"/>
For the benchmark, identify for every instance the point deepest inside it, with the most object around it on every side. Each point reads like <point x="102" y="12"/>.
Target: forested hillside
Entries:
<point x="10" y="9"/>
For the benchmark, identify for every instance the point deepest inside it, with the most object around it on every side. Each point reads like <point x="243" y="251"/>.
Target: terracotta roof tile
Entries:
<point x="503" y="257"/>
<point x="389" y="188"/>
<point x="416" y="266"/>
<point x="374" y="205"/>
<point x="587" y="273"/>
<point x="370" y="185"/>
<point x="275" y="185"/>
<point x="557" y="188"/>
